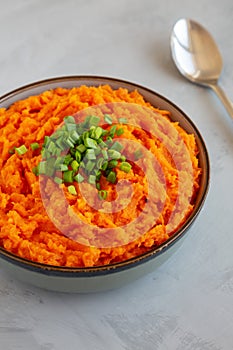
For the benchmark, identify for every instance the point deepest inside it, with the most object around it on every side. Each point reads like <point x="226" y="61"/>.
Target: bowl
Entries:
<point x="99" y="278"/>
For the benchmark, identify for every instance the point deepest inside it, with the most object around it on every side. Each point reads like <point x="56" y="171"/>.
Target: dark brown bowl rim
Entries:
<point x="133" y="262"/>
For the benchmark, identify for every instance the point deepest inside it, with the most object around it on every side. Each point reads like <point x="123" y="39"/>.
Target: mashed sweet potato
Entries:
<point x="27" y="230"/>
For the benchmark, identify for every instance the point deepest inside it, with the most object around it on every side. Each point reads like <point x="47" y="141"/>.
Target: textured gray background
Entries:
<point x="187" y="303"/>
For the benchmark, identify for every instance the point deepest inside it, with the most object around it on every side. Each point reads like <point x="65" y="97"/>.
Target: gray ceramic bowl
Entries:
<point x="94" y="279"/>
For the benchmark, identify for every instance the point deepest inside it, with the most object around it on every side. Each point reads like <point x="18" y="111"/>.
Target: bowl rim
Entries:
<point x="132" y="262"/>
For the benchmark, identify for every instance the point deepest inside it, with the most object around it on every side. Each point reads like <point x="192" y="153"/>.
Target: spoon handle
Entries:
<point x="224" y="99"/>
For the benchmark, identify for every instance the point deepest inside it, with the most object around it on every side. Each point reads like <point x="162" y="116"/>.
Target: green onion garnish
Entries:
<point x="79" y="178"/>
<point x="114" y="154"/>
<point x="90" y="154"/>
<point x="90" y="166"/>
<point x="68" y="176"/>
<point x="86" y="146"/>
<point x="81" y="148"/>
<point x="35" y="170"/>
<point x="125" y="166"/>
<point x="111" y="177"/>
<point x="90" y="143"/>
<point x="21" y="150"/>
<point x="74" y="165"/>
<point x="123" y="121"/>
<point x="117" y="146"/>
<point x="119" y="131"/>
<point x="58" y="180"/>
<point x="112" y="131"/>
<point x="63" y="167"/>
<point x="112" y="163"/>
<point x="102" y="194"/>
<point x="93" y="120"/>
<point x="42" y="168"/>
<point x="69" y="120"/>
<point x="34" y="146"/>
<point x="72" y="190"/>
<point x="92" y="179"/>
<point x="108" y="119"/>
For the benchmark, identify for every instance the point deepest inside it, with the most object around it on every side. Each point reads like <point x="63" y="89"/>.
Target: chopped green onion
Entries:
<point x="97" y="151"/>
<point x="86" y="121"/>
<point x="112" y="163"/>
<point x="45" y="153"/>
<point x="74" y="165"/>
<point x="93" y="120"/>
<point x="123" y="121"/>
<point x="108" y="119"/>
<point x="50" y="166"/>
<point x="111" y="177"/>
<point x="21" y="150"/>
<point x="51" y="147"/>
<point x="99" y="163"/>
<point x="58" y="162"/>
<point x="98" y="174"/>
<point x="68" y="176"/>
<point x="57" y="152"/>
<point x="112" y="131"/>
<point x="35" y="170"/>
<point x="90" y="143"/>
<point x="105" y="165"/>
<point x="98" y="132"/>
<point x="46" y="140"/>
<point x="81" y="148"/>
<point x="92" y="179"/>
<point x="88" y="146"/>
<point x="117" y="146"/>
<point x="42" y="168"/>
<point x="101" y="143"/>
<point x="114" y="154"/>
<point x="90" y="154"/>
<point x="102" y="194"/>
<point x="71" y="127"/>
<point x="109" y="138"/>
<point x="69" y="142"/>
<point x="78" y="155"/>
<point x="63" y="167"/>
<point x="105" y="153"/>
<point x="68" y="159"/>
<point x="69" y="119"/>
<point x="72" y="190"/>
<point x="125" y="166"/>
<point x="58" y="180"/>
<point x="90" y="166"/>
<point x="60" y="143"/>
<point x="85" y="135"/>
<point x="79" y="178"/>
<point x="72" y="151"/>
<point x="74" y="135"/>
<point x="34" y="146"/>
<point x="119" y="131"/>
<point x="104" y="132"/>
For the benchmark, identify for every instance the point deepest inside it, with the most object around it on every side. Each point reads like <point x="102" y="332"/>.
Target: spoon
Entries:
<point x="197" y="57"/>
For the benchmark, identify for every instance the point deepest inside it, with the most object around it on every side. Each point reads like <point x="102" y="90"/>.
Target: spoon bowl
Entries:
<point x="197" y="57"/>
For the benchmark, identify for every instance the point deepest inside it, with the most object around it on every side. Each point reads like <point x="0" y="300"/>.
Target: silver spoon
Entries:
<point x="197" y="57"/>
